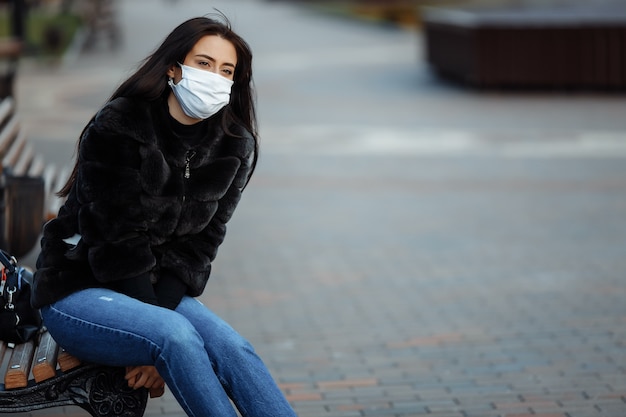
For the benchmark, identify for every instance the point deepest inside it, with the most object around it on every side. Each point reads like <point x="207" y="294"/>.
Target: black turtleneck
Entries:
<point x="192" y="135"/>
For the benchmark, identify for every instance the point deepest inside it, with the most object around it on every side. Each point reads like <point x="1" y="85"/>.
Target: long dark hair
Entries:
<point x="149" y="82"/>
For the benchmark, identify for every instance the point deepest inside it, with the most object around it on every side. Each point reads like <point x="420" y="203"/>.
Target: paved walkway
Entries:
<point x="407" y="248"/>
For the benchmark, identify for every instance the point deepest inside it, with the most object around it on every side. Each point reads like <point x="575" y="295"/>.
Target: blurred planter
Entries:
<point x="46" y="35"/>
<point x="403" y="13"/>
<point x="579" y="46"/>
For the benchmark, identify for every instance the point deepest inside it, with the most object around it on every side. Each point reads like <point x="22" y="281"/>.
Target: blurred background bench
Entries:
<point x="27" y="184"/>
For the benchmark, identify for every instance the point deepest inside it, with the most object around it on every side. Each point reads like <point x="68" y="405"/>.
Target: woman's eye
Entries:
<point x="227" y="71"/>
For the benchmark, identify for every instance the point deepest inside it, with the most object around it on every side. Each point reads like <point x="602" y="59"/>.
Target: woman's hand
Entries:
<point x="146" y="377"/>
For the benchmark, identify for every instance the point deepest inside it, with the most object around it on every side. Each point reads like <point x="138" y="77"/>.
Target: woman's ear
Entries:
<point x="171" y="72"/>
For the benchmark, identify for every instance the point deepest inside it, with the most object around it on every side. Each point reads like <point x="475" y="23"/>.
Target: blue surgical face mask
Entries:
<point x="201" y="93"/>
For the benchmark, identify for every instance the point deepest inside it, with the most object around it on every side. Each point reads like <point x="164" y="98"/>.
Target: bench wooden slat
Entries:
<point x="16" y="153"/>
<point x="24" y="160"/>
<point x="6" y="109"/>
<point x="19" y="366"/>
<point x="67" y="361"/>
<point x="45" y="362"/>
<point x="8" y="135"/>
<point x="37" y="167"/>
<point x="14" y="150"/>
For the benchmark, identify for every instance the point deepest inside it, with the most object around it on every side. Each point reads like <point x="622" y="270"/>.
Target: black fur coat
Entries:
<point x="133" y="207"/>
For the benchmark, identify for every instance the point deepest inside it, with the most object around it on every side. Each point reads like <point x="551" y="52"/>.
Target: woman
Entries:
<point x="159" y="172"/>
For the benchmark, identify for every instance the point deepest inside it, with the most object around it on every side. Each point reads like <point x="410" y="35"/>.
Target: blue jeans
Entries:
<point x="203" y="361"/>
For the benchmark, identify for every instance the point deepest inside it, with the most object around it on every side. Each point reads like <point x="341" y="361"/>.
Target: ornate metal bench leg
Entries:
<point x="101" y="391"/>
<point x="106" y="393"/>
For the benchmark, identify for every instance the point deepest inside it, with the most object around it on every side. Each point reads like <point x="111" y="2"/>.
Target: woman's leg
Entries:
<point x="240" y="370"/>
<point x="102" y="326"/>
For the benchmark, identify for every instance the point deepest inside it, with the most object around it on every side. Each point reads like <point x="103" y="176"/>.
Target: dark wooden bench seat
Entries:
<point x="44" y="376"/>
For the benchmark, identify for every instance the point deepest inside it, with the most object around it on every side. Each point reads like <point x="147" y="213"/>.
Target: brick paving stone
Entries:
<point x="583" y="412"/>
<point x="538" y="415"/>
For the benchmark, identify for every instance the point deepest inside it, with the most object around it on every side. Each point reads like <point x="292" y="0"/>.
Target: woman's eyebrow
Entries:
<point x="209" y="58"/>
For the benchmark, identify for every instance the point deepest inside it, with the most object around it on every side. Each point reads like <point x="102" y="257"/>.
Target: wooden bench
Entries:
<point x="42" y="375"/>
<point x="28" y="185"/>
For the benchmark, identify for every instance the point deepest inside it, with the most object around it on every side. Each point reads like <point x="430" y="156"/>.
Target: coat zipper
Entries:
<point x="188" y="156"/>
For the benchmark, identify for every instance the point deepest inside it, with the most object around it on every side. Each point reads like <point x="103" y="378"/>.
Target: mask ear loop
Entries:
<point x="170" y="80"/>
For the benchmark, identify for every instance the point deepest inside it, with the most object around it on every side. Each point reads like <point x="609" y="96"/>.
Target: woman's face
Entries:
<point x="210" y="53"/>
